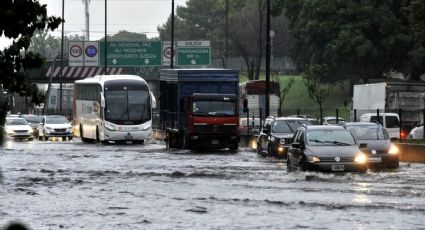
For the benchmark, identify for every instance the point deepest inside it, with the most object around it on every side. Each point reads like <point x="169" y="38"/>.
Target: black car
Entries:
<point x="325" y="148"/>
<point x="276" y="135"/>
<point x="381" y="152"/>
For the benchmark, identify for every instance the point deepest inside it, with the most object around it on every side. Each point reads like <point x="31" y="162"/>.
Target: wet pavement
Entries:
<point x="74" y="185"/>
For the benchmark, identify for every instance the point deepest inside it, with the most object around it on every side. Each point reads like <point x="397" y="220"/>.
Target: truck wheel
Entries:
<point x="234" y="147"/>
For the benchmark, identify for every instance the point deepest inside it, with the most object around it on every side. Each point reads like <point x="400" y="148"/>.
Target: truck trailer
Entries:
<point x="404" y="98"/>
<point x="254" y="92"/>
<point x="199" y="108"/>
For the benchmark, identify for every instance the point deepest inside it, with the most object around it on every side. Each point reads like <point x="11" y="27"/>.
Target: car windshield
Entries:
<point x="329" y="137"/>
<point x="288" y="126"/>
<point x="32" y="118"/>
<point x="367" y="132"/>
<point x="56" y="120"/>
<point x="17" y="121"/>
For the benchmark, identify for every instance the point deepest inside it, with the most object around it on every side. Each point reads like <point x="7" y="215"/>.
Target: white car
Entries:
<point x="18" y="128"/>
<point x="55" y="126"/>
<point x="416" y="133"/>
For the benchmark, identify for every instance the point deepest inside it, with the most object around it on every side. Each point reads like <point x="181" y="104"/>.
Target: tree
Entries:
<point x="317" y="89"/>
<point x="354" y="39"/>
<point x="415" y="11"/>
<point x="19" y="20"/>
<point x="283" y="89"/>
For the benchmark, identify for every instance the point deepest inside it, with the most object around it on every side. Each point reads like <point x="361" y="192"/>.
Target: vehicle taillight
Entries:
<point x="403" y="135"/>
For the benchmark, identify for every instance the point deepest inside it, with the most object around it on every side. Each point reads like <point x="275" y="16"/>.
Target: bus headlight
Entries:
<point x="146" y="128"/>
<point x="109" y="126"/>
<point x="393" y="150"/>
<point x="360" y="158"/>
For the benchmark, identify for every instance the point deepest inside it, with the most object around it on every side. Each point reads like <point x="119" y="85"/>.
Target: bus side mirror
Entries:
<point x="153" y="100"/>
<point x="245" y="105"/>
<point x="102" y="100"/>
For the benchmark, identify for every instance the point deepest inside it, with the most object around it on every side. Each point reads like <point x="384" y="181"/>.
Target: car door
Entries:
<point x="296" y="150"/>
<point x="264" y="135"/>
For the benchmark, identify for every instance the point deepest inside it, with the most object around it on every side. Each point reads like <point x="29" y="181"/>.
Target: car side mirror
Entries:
<point x="102" y="100"/>
<point x="362" y="145"/>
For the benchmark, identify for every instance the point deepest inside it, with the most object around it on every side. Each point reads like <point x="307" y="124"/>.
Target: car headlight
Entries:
<point x="313" y="159"/>
<point x="48" y="129"/>
<point x="282" y="141"/>
<point x="393" y="150"/>
<point x="30" y="130"/>
<point x="9" y="131"/>
<point x="360" y="158"/>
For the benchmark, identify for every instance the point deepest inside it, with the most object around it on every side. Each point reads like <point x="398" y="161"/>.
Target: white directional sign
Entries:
<point x="83" y="53"/>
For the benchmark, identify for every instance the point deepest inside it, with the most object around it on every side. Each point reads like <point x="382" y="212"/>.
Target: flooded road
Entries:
<point x="73" y="185"/>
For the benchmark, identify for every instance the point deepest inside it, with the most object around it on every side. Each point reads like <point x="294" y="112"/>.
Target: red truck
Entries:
<point x="199" y="108"/>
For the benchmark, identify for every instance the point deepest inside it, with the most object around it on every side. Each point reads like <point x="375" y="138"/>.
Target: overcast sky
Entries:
<point x="141" y="16"/>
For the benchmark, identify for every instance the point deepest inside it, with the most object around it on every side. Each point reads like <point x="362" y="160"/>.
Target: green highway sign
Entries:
<point x="193" y="53"/>
<point x="125" y="54"/>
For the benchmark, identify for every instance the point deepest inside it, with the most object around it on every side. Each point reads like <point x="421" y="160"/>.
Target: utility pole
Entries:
<point x="87" y="14"/>
<point x="268" y="60"/>
<point x="227" y="34"/>
<point x="172" y="35"/>
<point x="106" y="38"/>
<point x="61" y="74"/>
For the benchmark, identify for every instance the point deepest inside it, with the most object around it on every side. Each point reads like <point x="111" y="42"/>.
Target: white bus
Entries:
<point x="112" y="108"/>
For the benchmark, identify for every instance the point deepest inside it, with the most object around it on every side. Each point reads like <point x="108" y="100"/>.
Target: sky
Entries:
<point x="140" y="16"/>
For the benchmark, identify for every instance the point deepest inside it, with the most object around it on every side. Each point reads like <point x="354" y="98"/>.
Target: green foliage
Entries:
<point x="19" y="20"/>
<point x="355" y="39"/>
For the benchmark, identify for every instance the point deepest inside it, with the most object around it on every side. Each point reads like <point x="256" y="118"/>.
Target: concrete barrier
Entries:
<point x="412" y="153"/>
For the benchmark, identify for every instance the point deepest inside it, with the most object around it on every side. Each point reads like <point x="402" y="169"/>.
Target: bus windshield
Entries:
<point x="127" y="107"/>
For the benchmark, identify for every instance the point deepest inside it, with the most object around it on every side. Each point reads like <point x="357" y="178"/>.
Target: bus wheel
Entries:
<point x="82" y="135"/>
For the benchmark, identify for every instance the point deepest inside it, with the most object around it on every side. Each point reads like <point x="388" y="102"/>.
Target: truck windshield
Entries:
<point x="127" y="107"/>
<point x="214" y="108"/>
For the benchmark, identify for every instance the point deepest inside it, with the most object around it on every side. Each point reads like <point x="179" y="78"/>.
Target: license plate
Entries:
<point x="215" y="142"/>
<point x="375" y="159"/>
<point x="128" y="137"/>
<point x="338" y="168"/>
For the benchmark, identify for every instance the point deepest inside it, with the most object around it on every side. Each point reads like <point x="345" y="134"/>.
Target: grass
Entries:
<point x="298" y="98"/>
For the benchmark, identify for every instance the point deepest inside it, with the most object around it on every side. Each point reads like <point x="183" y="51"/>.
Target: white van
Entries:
<point x="390" y="121"/>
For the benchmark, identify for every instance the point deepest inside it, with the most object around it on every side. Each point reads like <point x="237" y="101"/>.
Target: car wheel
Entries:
<point x="289" y="165"/>
<point x="270" y="151"/>
<point x="70" y="138"/>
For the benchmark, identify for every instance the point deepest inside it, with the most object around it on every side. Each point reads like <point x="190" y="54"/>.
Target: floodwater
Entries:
<point x="74" y="185"/>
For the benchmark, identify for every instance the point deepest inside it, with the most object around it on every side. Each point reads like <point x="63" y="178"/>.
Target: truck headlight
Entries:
<point x="360" y="158"/>
<point x="393" y="150"/>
